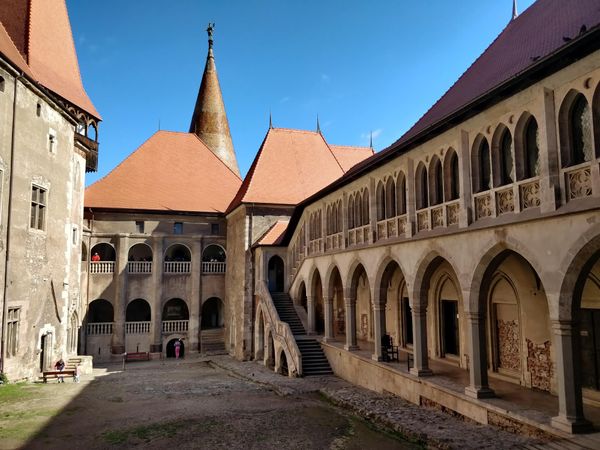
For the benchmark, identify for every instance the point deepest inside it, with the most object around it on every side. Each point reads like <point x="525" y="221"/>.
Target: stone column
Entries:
<point x="328" y="303"/>
<point x="466" y="197"/>
<point x="421" y="359"/>
<point x="379" y="322"/>
<point x="478" y="377"/>
<point x="118" y="340"/>
<point x="195" y="296"/>
<point x="350" y="304"/>
<point x="549" y="154"/>
<point x="156" y="299"/>
<point x="570" y="405"/>
<point x="310" y="306"/>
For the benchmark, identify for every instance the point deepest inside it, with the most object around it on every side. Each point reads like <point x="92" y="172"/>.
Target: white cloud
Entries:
<point x="284" y="100"/>
<point x="375" y="133"/>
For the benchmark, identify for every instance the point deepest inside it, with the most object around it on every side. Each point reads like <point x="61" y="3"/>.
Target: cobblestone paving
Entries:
<point x="436" y="428"/>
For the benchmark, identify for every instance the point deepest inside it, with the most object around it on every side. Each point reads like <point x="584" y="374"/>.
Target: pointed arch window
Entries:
<point x="365" y="208"/>
<point x="421" y="187"/>
<point x="437" y="183"/>
<point x="484" y="166"/>
<point x="453" y="177"/>
<point x="351" y="212"/>
<point x="390" y="198"/>
<point x="531" y="160"/>
<point x="581" y="131"/>
<point x="505" y="164"/>
<point x="381" y="204"/>
<point x="401" y="195"/>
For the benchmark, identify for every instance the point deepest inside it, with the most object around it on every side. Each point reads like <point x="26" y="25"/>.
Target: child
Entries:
<point x="76" y="374"/>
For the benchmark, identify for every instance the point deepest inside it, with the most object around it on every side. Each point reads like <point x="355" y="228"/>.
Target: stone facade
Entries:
<point x="42" y="166"/>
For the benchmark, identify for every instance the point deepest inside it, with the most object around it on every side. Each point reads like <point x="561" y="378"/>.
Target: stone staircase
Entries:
<point x="72" y="363"/>
<point x="212" y="341"/>
<point x="314" y="361"/>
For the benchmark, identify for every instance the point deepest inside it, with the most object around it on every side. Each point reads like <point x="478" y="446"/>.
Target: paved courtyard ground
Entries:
<point x="221" y="403"/>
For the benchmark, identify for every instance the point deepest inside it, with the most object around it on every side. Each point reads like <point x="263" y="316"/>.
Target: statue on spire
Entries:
<point x="209" y="30"/>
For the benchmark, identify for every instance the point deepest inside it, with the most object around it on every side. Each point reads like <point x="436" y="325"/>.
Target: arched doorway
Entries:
<point x="318" y="303"/>
<point x="590" y="329"/>
<point x="518" y="322"/>
<point x="140" y="252"/>
<point x="212" y="314"/>
<point x="171" y="348"/>
<point x="270" y="362"/>
<point x="391" y="299"/>
<point x="276" y="274"/>
<point x="178" y="253"/>
<point x="283" y="364"/>
<point x="339" y="312"/>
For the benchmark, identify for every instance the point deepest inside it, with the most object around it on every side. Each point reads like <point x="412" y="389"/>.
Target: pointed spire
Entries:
<point x="209" y="121"/>
<point x="515" y="12"/>
<point x="371" y="140"/>
<point x="318" y="125"/>
<point x="270" y="120"/>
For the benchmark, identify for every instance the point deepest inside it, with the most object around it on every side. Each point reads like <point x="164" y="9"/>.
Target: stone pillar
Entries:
<point x="570" y="405"/>
<point x="328" y="303"/>
<point x="379" y="322"/>
<point x="466" y="197"/>
<point x="421" y="359"/>
<point x="195" y="296"/>
<point x="549" y="155"/>
<point x="310" y="306"/>
<point x="411" y="206"/>
<point x="478" y="377"/>
<point x="156" y="299"/>
<point x="350" y="304"/>
<point x="118" y="339"/>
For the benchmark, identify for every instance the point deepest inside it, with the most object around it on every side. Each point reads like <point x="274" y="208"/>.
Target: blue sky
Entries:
<point x="361" y="66"/>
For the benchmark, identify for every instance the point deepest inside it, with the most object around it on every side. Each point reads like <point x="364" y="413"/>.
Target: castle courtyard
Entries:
<point x="218" y="402"/>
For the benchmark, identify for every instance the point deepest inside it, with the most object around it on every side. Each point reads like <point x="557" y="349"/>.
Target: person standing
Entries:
<point x="177" y="348"/>
<point x="96" y="257"/>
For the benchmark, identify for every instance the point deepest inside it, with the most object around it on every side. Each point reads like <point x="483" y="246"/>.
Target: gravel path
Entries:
<point x="426" y="425"/>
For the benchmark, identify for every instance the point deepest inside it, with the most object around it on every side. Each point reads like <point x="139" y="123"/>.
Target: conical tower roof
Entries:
<point x="209" y="121"/>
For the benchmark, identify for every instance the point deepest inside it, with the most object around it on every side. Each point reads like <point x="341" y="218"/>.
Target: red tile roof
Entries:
<point x="275" y="233"/>
<point x="8" y="49"/>
<point x="171" y="171"/>
<point x="349" y="156"/>
<point x="42" y="34"/>
<point x="290" y="166"/>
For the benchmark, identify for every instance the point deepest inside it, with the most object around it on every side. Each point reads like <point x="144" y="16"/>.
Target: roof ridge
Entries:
<point x="295" y="130"/>
<point x="352" y="146"/>
<point x="333" y="154"/>
<point x="237" y="199"/>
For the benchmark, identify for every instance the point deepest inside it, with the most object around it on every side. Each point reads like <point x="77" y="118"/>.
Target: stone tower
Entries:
<point x="209" y="121"/>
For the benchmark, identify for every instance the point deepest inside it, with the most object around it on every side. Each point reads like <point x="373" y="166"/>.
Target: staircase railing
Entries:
<point x="281" y="330"/>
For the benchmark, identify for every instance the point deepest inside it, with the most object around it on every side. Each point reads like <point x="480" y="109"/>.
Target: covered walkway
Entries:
<point x="515" y="407"/>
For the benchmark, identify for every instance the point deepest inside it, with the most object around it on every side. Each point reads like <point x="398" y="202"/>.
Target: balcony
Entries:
<point x="139" y="267"/>
<point x="137" y="327"/>
<point x="218" y="267"/>
<point x="334" y="241"/>
<point x="438" y="216"/>
<point x="99" y="328"/>
<point x="359" y="235"/>
<point x="177" y="267"/>
<point x="391" y="228"/>
<point x="90" y="148"/>
<point x="578" y="181"/>
<point x="512" y="198"/>
<point x="175" y="326"/>
<point x="315" y="246"/>
<point x="106" y="267"/>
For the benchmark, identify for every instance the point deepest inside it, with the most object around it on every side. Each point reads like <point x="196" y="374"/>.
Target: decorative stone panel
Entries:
<point x="509" y="355"/>
<point x="539" y="365"/>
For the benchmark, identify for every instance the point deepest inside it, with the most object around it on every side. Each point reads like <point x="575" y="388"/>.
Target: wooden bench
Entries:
<point x="57" y="374"/>
<point x="137" y="356"/>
